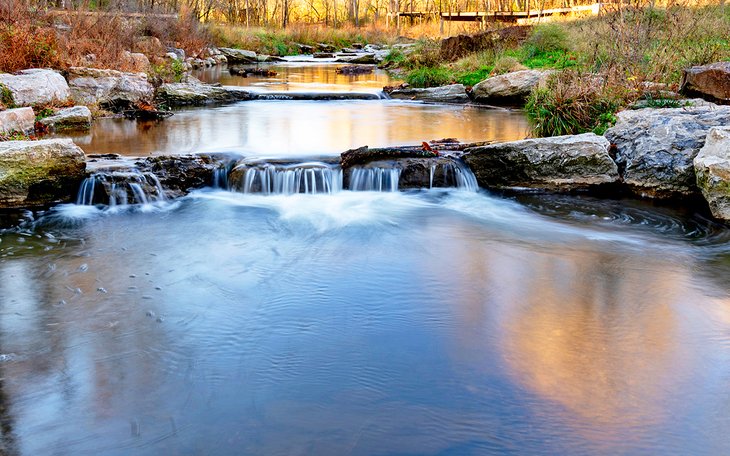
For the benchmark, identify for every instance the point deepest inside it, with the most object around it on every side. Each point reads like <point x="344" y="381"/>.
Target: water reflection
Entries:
<point x="310" y="77"/>
<point x="300" y="128"/>
<point x="358" y="323"/>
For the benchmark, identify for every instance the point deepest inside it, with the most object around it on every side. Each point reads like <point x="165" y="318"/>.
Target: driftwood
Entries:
<point x="429" y="149"/>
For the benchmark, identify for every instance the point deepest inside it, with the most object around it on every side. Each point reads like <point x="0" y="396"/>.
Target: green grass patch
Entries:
<point x="430" y="77"/>
<point x="474" y="77"/>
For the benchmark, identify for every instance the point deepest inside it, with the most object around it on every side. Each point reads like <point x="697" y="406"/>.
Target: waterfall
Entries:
<point x="453" y="174"/>
<point x="117" y="188"/>
<point x="461" y="176"/>
<point x="374" y="179"/>
<point x="220" y="176"/>
<point x="313" y="177"/>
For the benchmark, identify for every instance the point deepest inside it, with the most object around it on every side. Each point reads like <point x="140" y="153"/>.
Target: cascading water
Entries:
<point x="117" y="188"/>
<point x="313" y="177"/>
<point x="455" y="174"/>
<point x="375" y="179"/>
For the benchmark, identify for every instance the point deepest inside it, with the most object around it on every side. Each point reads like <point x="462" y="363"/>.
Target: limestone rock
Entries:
<point x="36" y="87"/>
<point x="17" y="120"/>
<point x="711" y="82"/>
<point x="712" y="167"/>
<point x="564" y="163"/>
<point x="454" y="93"/>
<point x="34" y="173"/>
<point x="655" y="147"/>
<point x="508" y="87"/>
<point x="238" y="55"/>
<point x="111" y="89"/>
<point x="74" y="118"/>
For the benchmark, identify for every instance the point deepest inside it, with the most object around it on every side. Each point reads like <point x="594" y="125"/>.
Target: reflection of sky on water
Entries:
<point x="362" y="323"/>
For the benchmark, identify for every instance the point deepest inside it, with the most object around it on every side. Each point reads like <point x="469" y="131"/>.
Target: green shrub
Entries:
<point x="547" y="38"/>
<point x="571" y="103"/>
<point x="6" y="97"/>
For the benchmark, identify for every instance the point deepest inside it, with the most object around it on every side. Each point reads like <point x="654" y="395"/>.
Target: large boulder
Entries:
<point x="20" y="120"/>
<point x="712" y="167"/>
<point x="238" y="55"/>
<point x="110" y="89"/>
<point x="508" y="87"/>
<point x="561" y="163"/>
<point x="655" y="147"/>
<point x="196" y="93"/>
<point x="455" y="47"/>
<point x="711" y="82"/>
<point x="36" y="87"/>
<point x="74" y="118"/>
<point x="34" y="173"/>
<point x="454" y="93"/>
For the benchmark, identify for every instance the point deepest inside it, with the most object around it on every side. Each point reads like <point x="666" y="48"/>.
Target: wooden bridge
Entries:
<point x="524" y="14"/>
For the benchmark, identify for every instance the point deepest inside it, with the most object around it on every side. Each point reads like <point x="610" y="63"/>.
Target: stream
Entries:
<point x="444" y="321"/>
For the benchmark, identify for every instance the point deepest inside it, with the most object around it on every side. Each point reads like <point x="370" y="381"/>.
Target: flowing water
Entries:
<point x="280" y="319"/>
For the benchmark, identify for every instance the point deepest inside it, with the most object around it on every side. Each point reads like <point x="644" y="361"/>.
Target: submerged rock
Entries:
<point x="655" y="148"/>
<point x="197" y="94"/>
<point x="562" y="163"/>
<point x="34" y="173"/>
<point x="711" y="82"/>
<point x="509" y="87"/>
<point x="20" y="120"/>
<point x="454" y="93"/>
<point x="111" y="89"/>
<point x="36" y="87"/>
<point x="74" y="118"/>
<point x="712" y="167"/>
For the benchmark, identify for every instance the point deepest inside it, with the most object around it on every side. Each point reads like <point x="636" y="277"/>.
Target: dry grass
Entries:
<point x="652" y="44"/>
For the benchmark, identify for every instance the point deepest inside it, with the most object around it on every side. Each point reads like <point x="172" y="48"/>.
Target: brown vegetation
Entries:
<point x="33" y="37"/>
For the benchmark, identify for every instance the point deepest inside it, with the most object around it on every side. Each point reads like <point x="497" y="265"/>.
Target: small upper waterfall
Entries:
<point x="120" y="188"/>
<point x="267" y="178"/>
<point x="376" y="179"/>
<point x="455" y="174"/>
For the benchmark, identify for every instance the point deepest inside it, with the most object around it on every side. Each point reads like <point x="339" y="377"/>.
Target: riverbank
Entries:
<point x="592" y="67"/>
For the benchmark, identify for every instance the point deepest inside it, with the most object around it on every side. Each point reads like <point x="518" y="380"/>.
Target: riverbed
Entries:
<point x="434" y="321"/>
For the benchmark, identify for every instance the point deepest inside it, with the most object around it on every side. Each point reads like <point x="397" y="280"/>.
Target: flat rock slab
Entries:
<point x="20" y="120"/>
<point x="316" y="96"/>
<point x="562" y="163"/>
<point x="34" y="173"/>
<point x="712" y="167"/>
<point x="36" y="87"/>
<point x="711" y="82"/>
<point x="454" y="93"/>
<point x="655" y="148"/>
<point x="197" y="94"/>
<point x="74" y="118"/>
<point x="238" y="55"/>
